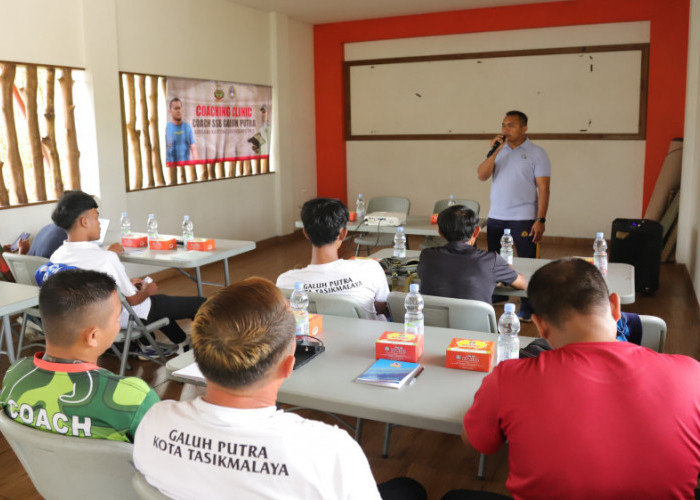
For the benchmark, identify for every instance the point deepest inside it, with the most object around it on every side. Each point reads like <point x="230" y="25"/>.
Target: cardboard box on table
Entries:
<point x="399" y="346"/>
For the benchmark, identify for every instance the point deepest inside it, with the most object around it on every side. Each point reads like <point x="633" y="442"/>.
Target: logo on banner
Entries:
<point x="232" y="91"/>
<point x="219" y="93"/>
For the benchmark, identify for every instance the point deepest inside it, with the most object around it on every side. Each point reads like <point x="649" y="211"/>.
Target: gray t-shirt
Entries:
<point x="513" y="189"/>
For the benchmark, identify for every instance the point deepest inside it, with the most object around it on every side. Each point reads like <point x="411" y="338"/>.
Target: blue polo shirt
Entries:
<point x="513" y="188"/>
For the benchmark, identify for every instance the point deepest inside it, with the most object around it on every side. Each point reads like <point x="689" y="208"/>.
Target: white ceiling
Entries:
<point x="331" y="11"/>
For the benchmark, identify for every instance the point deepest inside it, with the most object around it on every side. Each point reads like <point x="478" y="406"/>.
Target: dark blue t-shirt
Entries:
<point x="47" y="240"/>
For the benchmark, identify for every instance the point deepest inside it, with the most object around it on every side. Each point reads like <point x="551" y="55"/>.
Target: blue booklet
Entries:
<point x="389" y="373"/>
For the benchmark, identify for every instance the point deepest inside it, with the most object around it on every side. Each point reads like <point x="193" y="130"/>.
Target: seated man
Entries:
<point x="363" y="279"/>
<point x="62" y="390"/>
<point x="459" y="269"/>
<point x="77" y="213"/>
<point x="234" y="441"/>
<point x="593" y="418"/>
<point x="47" y="241"/>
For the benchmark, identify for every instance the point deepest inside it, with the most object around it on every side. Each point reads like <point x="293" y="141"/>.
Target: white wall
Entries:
<point x="593" y="182"/>
<point x="208" y="39"/>
<point x="688" y="248"/>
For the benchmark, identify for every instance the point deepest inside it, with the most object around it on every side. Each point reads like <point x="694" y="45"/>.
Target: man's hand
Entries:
<point x="537" y="231"/>
<point x="116" y="248"/>
<point x="150" y="288"/>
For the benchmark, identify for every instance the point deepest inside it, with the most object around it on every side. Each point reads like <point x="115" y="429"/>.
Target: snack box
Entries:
<point x="201" y="244"/>
<point x="162" y="243"/>
<point x="434" y="218"/>
<point x="315" y="324"/>
<point x="352" y="217"/>
<point x="399" y="346"/>
<point x="468" y="354"/>
<point x="135" y="240"/>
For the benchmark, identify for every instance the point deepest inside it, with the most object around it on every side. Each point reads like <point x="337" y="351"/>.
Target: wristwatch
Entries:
<point x="541" y="219"/>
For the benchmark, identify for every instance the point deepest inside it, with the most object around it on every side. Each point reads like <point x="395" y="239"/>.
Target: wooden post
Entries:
<point x="171" y="172"/>
<point x="134" y="141"/>
<point x="145" y="135"/>
<point x="73" y="154"/>
<point x="4" y="196"/>
<point x="30" y="94"/>
<point x="7" y="81"/>
<point x="153" y="130"/>
<point x="49" y="140"/>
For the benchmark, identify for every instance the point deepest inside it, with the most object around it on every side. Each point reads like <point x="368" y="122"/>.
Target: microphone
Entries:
<point x="495" y="147"/>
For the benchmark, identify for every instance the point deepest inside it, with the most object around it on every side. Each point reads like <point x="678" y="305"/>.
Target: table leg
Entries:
<point x="199" y="281"/>
<point x="227" y="280"/>
<point x="8" y="338"/>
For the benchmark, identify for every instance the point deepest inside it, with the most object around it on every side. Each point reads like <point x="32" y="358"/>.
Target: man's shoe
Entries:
<point x="524" y="317"/>
<point x="147" y="352"/>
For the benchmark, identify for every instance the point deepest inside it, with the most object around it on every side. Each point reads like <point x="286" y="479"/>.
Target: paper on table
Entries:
<point x="190" y="372"/>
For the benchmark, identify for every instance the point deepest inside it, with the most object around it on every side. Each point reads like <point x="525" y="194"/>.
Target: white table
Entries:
<point x="186" y="259"/>
<point x="620" y="277"/>
<point x="437" y="401"/>
<point x="415" y="224"/>
<point x="14" y="298"/>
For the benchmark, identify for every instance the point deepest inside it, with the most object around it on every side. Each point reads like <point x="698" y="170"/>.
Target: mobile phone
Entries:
<point x="15" y="246"/>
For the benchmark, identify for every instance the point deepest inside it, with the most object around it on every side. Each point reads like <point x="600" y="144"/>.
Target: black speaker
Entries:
<point x="638" y="242"/>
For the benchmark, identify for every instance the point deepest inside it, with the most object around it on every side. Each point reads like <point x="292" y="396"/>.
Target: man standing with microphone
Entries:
<point x="519" y="190"/>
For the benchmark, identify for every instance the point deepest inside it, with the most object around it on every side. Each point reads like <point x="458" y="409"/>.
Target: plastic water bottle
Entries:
<point x="400" y="243"/>
<point x="152" y="227"/>
<point x="600" y="253"/>
<point x="508" y="329"/>
<point x="507" y="246"/>
<point x="187" y="229"/>
<point x="413" y="320"/>
<point x="299" y="300"/>
<point x="360" y="209"/>
<point x="125" y="224"/>
<point x="451" y="201"/>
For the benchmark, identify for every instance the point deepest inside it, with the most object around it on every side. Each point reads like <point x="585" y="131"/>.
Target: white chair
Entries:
<point x="138" y="329"/>
<point x="447" y="312"/>
<point x="145" y="490"/>
<point x="23" y="268"/>
<point x="331" y="304"/>
<point x="653" y="332"/>
<point x="372" y="239"/>
<point x="440" y="205"/>
<point x="70" y="468"/>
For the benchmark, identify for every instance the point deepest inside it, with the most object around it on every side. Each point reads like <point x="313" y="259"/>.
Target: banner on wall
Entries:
<point x="212" y="122"/>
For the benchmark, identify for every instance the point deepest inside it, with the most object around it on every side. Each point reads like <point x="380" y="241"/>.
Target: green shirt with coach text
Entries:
<point x="75" y="399"/>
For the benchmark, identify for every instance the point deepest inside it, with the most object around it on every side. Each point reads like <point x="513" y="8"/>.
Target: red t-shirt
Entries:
<point x="593" y="420"/>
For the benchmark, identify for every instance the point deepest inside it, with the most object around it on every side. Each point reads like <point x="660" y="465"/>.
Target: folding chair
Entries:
<point x="66" y="468"/>
<point x="440" y="205"/>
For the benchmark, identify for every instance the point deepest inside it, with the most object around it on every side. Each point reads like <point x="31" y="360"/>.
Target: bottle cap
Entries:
<point x="506" y="231"/>
<point x="399" y="229"/>
<point x="359" y="195"/>
<point x="187" y="217"/>
<point x="151" y="215"/>
<point x="123" y="214"/>
<point x="452" y="196"/>
<point x="414" y="287"/>
<point x="599" y="235"/>
<point x="509" y="307"/>
<point x="299" y="285"/>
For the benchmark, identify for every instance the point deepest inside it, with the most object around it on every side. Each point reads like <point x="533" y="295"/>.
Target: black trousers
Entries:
<point x="166" y="306"/>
